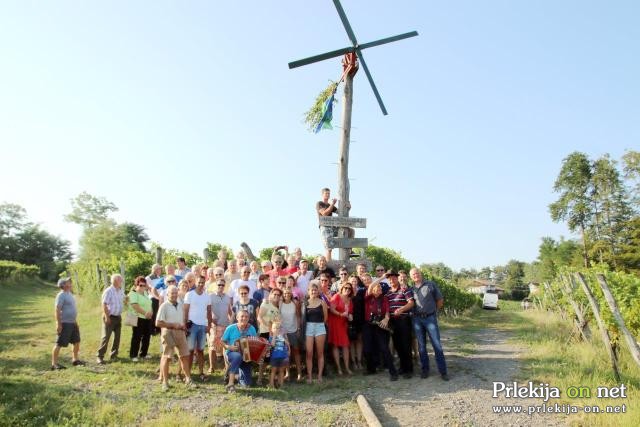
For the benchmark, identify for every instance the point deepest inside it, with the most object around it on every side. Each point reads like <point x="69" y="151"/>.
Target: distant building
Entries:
<point x="534" y="288"/>
<point x="479" y="287"/>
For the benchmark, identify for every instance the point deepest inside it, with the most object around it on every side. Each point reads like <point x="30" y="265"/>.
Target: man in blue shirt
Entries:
<point x="233" y="353"/>
<point x="428" y="300"/>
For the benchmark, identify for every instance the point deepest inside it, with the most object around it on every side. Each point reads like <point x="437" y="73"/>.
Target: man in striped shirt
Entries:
<point x="112" y="303"/>
<point x="400" y="305"/>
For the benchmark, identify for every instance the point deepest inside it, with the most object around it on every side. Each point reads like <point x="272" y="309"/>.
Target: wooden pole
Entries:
<point x="158" y="255"/>
<point x="75" y="274"/>
<point x="603" y="329"/>
<point x="608" y="296"/>
<point x="122" y="271"/>
<point x="343" y="163"/>
<point x="581" y="324"/>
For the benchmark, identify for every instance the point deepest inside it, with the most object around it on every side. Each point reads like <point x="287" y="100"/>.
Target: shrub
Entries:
<point x="11" y="270"/>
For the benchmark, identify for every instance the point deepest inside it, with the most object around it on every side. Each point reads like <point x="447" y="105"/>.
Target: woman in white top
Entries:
<point x="290" y="318"/>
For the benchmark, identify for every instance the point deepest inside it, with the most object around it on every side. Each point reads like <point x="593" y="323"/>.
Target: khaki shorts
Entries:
<point x="174" y="338"/>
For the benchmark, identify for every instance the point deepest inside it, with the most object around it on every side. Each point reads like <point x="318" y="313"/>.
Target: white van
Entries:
<point x="490" y="299"/>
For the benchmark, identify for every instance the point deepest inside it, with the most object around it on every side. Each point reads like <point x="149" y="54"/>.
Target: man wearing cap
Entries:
<point x="400" y="305"/>
<point x="428" y="300"/>
<point x="112" y="304"/>
<point x="221" y="312"/>
<point x="66" y="324"/>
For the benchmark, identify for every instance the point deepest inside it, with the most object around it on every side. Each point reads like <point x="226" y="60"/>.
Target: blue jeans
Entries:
<point x="237" y="365"/>
<point x="429" y="325"/>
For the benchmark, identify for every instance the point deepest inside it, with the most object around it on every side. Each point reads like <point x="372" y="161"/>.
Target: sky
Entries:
<point x="186" y="116"/>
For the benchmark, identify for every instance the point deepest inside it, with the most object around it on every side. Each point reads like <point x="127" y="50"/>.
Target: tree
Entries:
<point x="89" y="210"/>
<point x="631" y="169"/>
<point x="134" y="234"/>
<point x="438" y="269"/>
<point x="26" y="243"/>
<point x="107" y="238"/>
<point x="574" y="205"/>
<point x="388" y="258"/>
<point x="12" y="219"/>
<point x="611" y="208"/>
<point x="39" y="247"/>
<point x="485" y="273"/>
<point x="554" y="255"/>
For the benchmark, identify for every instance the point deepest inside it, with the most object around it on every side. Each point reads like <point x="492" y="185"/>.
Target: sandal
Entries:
<point x="230" y="388"/>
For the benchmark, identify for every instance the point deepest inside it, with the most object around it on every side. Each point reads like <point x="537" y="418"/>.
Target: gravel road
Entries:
<point x="475" y="360"/>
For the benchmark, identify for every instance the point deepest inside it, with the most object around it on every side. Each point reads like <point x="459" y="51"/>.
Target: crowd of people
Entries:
<point x="295" y="311"/>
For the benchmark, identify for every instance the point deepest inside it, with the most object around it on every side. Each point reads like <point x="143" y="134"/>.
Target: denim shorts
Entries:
<point x="279" y="362"/>
<point x="197" y="337"/>
<point x="315" y="329"/>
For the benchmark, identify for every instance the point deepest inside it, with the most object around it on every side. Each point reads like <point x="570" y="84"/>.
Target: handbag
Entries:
<point x="352" y="331"/>
<point x="131" y="319"/>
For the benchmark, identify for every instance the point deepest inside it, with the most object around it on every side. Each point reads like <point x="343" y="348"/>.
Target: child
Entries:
<point x="279" y="353"/>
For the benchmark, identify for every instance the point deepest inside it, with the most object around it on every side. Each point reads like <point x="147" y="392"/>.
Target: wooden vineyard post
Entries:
<point x="603" y="329"/>
<point x="75" y="275"/>
<point x="608" y="296"/>
<point x="159" y="255"/>
<point x="122" y="272"/>
<point x="581" y="323"/>
<point x="98" y="276"/>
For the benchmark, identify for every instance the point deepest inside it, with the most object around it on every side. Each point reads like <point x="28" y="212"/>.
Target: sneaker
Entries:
<point x="79" y="363"/>
<point x="135" y="359"/>
<point x="57" y="367"/>
<point x="445" y="377"/>
<point x="407" y="375"/>
<point x="424" y="374"/>
<point x="393" y="378"/>
<point x="100" y="361"/>
<point x="148" y="356"/>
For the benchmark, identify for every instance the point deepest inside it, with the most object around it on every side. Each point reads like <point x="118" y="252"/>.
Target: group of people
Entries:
<point x="298" y="312"/>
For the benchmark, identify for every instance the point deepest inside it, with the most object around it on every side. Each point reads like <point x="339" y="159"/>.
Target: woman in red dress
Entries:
<point x="340" y="313"/>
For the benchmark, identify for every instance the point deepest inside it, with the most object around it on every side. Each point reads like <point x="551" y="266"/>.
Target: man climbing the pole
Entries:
<point x="326" y="207"/>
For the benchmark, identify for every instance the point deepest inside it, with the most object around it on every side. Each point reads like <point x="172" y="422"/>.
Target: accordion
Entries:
<point x="253" y="349"/>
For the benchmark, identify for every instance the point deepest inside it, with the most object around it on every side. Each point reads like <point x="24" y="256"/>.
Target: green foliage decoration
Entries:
<point x="314" y="115"/>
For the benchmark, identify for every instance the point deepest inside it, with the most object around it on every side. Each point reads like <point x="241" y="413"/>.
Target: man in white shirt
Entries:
<point x="197" y="314"/>
<point x="243" y="280"/>
<point x="303" y="276"/>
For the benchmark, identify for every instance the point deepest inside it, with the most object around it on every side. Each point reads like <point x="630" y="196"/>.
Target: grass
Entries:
<point x="126" y="393"/>
<point x="553" y="358"/>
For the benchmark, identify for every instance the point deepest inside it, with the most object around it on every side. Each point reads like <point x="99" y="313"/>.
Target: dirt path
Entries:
<point x="475" y="360"/>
